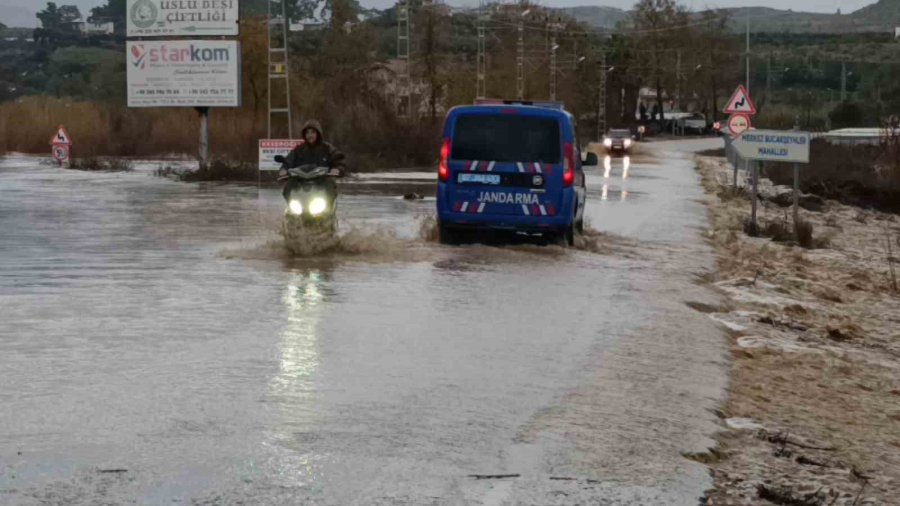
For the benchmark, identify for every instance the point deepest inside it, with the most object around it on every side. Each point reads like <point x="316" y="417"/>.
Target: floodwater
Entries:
<point x="158" y="347"/>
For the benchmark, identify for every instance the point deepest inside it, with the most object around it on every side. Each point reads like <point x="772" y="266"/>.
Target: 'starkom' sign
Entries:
<point x="184" y="73"/>
<point x="165" y="18"/>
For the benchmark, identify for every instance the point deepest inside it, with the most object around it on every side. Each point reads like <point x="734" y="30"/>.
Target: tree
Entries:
<point x="114" y="11"/>
<point x="50" y="17"/>
<point x="86" y="73"/>
<point x="69" y="13"/>
<point x="53" y="17"/>
<point x="660" y="28"/>
<point x="714" y="40"/>
<point x="431" y="48"/>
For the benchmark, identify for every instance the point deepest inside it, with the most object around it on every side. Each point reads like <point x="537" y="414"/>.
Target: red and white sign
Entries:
<point x="738" y="124"/>
<point x="61" y="137"/>
<point x="61" y="153"/>
<point x="740" y="103"/>
<point x="269" y="148"/>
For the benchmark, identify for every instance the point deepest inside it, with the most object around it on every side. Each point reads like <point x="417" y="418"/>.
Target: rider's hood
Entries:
<point x="315" y="125"/>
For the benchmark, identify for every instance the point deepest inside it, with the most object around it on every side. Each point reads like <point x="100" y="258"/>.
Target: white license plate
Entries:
<point x="468" y="177"/>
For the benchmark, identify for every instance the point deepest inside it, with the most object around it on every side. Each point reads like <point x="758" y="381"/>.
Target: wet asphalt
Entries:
<point x="157" y="346"/>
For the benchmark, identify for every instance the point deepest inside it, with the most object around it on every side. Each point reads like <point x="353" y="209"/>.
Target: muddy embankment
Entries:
<point x="813" y="412"/>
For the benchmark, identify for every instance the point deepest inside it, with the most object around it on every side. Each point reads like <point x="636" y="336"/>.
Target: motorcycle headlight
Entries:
<point x="296" y="207"/>
<point x="607" y="142"/>
<point x="317" y="206"/>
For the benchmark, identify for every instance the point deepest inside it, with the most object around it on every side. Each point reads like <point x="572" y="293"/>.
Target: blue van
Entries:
<point x="513" y="166"/>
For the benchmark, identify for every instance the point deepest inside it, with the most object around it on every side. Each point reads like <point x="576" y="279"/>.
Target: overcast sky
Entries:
<point x="19" y="12"/>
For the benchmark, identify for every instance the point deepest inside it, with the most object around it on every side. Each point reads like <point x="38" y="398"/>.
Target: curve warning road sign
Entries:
<point x="740" y="103"/>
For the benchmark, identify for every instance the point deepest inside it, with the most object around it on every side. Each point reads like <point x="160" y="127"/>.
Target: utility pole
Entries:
<point x="404" y="80"/>
<point x="747" y="59"/>
<point x="553" y="48"/>
<point x="768" y="79"/>
<point x="480" y="90"/>
<point x="843" y="81"/>
<point x="678" y="82"/>
<point x="601" y="107"/>
<point x="279" y="66"/>
<point x="520" y="58"/>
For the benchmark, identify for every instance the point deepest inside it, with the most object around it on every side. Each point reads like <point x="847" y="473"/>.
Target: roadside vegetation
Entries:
<point x="813" y="412"/>
<point x="106" y="164"/>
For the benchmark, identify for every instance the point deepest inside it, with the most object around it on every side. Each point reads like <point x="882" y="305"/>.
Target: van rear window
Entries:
<point x="506" y="138"/>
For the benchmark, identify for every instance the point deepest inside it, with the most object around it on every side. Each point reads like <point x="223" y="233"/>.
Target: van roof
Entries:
<point x="499" y="106"/>
<point x="545" y="104"/>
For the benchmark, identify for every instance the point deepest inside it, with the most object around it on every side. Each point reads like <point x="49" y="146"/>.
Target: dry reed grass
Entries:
<point x="112" y="130"/>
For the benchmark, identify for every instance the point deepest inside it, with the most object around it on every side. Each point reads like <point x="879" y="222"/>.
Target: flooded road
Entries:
<point x="158" y="347"/>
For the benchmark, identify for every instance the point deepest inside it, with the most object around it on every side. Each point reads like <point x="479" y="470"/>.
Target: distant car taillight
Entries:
<point x="443" y="169"/>
<point x="569" y="164"/>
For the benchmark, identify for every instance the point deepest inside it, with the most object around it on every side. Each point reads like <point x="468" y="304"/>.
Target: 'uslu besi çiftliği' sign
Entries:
<point x="165" y="18"/>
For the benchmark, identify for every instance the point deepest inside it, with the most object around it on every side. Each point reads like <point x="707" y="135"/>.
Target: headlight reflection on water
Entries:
<point x="607" y="170"/>
<point x="294" y="387"/>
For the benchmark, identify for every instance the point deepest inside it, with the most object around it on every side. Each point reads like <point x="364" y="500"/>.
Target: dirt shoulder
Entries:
<point x="813" y="412"/>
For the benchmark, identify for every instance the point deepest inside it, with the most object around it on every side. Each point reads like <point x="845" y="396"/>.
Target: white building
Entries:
<point x="97" y="28"/>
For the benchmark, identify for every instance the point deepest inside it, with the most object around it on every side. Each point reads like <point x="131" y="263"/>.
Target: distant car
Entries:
<point x="694" y="124"/>
<point x="511" y="166"/>
<point x="618" y="140"/>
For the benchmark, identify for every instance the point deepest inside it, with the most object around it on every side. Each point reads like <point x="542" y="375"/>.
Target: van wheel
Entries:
<point x="447" y="235"/>
<point x="567" y="237"/>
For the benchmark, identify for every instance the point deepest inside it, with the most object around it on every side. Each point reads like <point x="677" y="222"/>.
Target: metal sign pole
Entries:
<point x="755" y="167"/>
<point x="734" y="181"/>
<point x="204" y="137"/>
<point x="797" y="202"/>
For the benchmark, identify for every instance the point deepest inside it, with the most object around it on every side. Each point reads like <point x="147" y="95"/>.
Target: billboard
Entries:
<point x="184" y="73"/>
<point x="166" y="18"/>
<point x="268" y="148"/>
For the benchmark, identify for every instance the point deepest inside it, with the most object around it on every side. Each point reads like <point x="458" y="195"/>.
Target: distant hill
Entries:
<point x="597" y="17"/>
<point x="879" y="17"/>
<point x="885" y="15"/>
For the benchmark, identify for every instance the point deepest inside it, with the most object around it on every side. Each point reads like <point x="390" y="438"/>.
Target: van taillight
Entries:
<point x="569" y="164"/>
<point x="443" y="169"/>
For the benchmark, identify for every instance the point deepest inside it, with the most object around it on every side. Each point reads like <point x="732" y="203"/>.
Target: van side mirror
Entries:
<point x="591" y="159"/>
<point x="279" y="158"/>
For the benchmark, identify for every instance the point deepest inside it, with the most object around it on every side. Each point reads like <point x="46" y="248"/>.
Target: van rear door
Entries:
<point x="506" y="161"/>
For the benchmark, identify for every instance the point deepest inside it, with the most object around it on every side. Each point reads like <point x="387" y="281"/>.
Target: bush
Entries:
<point x="805" y="234"/>
<point x="847" y="114"/>
<point x="108" y="164"/>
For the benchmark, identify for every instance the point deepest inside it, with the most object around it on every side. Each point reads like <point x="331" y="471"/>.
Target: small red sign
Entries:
<point x="61" y="153"/>
<point x="738" y="124"/>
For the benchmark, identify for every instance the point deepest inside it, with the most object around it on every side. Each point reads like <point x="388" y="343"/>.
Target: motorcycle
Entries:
<point x="311" y="195"/>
